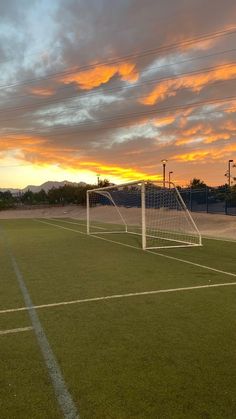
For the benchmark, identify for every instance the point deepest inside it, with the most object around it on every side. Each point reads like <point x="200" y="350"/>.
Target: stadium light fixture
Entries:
<point x="164" y="161"/>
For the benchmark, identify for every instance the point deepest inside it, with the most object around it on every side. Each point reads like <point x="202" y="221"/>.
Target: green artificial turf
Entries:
<point x="161" y="356"/>
<point x="167" y="357"/>
<point x="10" y="295"/>
<point x="25" y="387"/>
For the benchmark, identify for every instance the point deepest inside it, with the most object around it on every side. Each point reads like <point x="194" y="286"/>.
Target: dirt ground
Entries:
<point x="212" y="225"/>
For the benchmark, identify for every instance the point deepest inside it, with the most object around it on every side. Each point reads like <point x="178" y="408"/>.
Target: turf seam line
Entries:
<point x="63" y="396"/>
<point x="139" y="248"/>
<point x="18" y="330"/>
<point x="118" y="296"/>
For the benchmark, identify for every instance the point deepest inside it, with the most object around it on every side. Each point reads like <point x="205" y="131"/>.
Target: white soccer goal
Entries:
<point x="157" y="216"/>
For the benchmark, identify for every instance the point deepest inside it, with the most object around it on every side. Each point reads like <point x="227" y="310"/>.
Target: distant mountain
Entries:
<point x="13" y="191"/>
<point x="46" y="186"/>
<point x="51" y="184"/>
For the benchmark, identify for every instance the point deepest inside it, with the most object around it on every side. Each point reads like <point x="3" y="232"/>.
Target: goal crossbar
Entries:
<point x="155" y="213"/>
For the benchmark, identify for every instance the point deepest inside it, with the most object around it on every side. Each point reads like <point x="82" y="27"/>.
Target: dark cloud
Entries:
<point x="101" y="115"/>
<point x="13" y="11"/>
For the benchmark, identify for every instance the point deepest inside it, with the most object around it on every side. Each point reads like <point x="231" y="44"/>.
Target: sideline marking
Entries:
<point x="117" y="296"/>
<point x="20" y="329"/>
<point x="63" y="396"/>
<point x="139" y="248"/>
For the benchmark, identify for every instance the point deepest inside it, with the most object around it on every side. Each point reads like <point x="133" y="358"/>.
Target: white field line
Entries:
<point x="193" y="263"/>
<point x="117" y="296"/>
<point x="63" y="396"/>
<point x="102" y="228"/>
<point x="78" y="224"/>
<point x="20" y="329"/>
<point x="139" y="248"/>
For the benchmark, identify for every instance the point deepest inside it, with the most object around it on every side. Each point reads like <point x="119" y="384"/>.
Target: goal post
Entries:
<point x="157" y="216"/>
<point x="143" y="214"/>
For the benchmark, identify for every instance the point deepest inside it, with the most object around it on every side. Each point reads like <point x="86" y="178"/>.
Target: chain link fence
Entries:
<point x="211" y="200"/>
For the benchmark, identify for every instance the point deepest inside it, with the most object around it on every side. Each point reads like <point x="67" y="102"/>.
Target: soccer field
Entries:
<point x="95" y="327"/>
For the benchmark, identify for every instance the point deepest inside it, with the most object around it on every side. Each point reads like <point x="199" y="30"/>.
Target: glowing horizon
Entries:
<point x="116" y="102"/>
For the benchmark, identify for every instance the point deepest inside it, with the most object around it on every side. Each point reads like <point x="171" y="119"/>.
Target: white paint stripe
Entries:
<point x="63" y="396"/>
<point x="102" y="228"/>
<point x="70" y="222"/>
<point x="20" y="329"/>
<point x="193" y="263"/>
<point x="118" y="296"/>
<point x="146" y="251"/>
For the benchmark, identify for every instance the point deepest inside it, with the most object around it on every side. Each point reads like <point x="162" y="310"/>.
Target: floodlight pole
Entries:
<point x="164" y="161"/>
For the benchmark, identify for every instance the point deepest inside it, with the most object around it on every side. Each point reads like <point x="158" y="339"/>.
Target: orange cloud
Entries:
<point x="196" y="129"/>
<point x="102" y="74"/>
<point x="36" y="151"/>
<point x="193" y="82"/>
<point x="232" y="108"/>
<point x="207" y="139"/>
<point x="17" y="141"/>
<point x="39" y="91"/>
<point x="206" y="155"/>
<point x="33" y="150"/>
<point x="163" y="121"/>
<point x="160" y="92"/>
<point x="230" y="125"/>
<point x="118" y="171"/>
<point x="183" y="141"/>
<point x="207" y="134"/>
<point x="192" y="156"/>
<point x="215" y="137"/>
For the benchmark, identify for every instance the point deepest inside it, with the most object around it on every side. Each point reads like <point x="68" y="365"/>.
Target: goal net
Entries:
<point x="157" y="216"/>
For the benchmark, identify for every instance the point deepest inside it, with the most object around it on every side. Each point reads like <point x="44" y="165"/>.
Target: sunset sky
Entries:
<point x="115" y="86"/>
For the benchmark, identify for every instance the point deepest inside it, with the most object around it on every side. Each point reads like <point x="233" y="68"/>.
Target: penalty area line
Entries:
<point x="117" y="296"/>
<point x="209" y="268"/>
<point x="18" y="330"/>
<point x="71" y="222"/>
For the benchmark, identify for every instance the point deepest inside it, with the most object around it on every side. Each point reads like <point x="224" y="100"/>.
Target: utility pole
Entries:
<point x="164" y="161"/>
<point x="98" y="176"/>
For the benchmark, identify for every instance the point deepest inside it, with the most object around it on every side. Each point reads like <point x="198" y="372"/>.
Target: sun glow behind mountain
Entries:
<point x="120" y="99"/>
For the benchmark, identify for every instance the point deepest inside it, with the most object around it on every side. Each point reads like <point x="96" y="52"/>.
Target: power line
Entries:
<point x="121" y="117"/>
<point x="94" y="92"/>
<point x="179" y="11"/>
<point x="145" y="83"/>
<point x="164" y="48"/>
<point x="76" y="107"/>
<point x="36" y="52"/>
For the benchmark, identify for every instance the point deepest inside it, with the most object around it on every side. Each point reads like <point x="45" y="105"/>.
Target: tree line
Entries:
<point x="76" y="194"/>
<point x="64" y="195"/>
